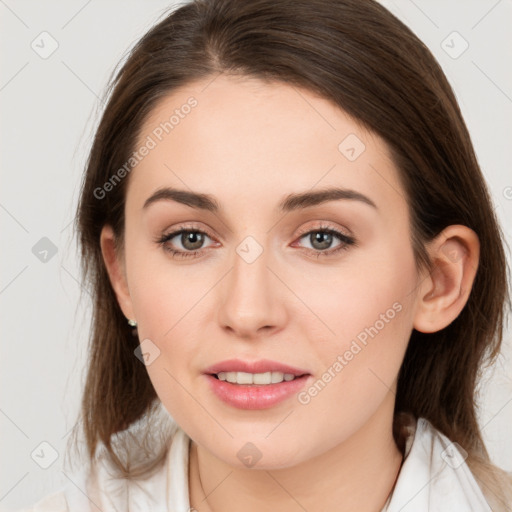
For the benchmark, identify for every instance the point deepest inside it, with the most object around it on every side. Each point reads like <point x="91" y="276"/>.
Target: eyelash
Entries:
<point x="346" y="241"/>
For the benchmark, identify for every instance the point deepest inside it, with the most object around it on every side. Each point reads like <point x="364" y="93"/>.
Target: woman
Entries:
<point x="296" y="269"/>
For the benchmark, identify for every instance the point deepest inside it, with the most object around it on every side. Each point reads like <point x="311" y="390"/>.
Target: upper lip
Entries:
<point x="260" y="366"/>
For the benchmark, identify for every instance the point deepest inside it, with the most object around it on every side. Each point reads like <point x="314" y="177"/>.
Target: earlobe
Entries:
<point x="444" y="292"/>
<point x="115" y="269"/>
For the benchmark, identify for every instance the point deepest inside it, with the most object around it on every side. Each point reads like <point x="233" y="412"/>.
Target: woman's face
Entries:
<point x="267" y="276"/>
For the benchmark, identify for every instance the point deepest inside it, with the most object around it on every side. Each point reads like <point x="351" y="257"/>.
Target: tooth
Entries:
<point x="255" y="378"/>
<point x="244" y="378"/>
<point x="262" y="378"/>
<point x="277" y="377"/>
<point x="231" y="377"/>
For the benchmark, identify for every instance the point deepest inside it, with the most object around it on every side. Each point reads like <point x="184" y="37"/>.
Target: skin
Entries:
<point x="250" y="143"/>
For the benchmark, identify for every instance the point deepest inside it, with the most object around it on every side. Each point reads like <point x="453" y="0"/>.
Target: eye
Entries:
<point x="321" y="240"/>
<point x="191" y="241"/>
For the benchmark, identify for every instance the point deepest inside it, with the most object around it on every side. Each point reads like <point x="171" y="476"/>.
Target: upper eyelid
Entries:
<point x="181" y="228"/>
<point x="324" y="226"/>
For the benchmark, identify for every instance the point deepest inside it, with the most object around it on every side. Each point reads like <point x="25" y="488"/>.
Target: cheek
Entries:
<point x="366" y="318"/>
<point x="167" y="304"/>
<point x="165" y="293"/>
<point x="365" y="294"/>
<point x="172" y="304"/>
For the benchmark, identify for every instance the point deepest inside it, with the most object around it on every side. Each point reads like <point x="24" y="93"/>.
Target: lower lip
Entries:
<point x="254" y="396"/>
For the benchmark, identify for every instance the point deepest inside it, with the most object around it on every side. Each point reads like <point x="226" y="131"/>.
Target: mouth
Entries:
<point x="259" y="384"/>
<point x="256" y="391"/>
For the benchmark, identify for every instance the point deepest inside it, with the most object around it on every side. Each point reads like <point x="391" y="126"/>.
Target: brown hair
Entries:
<point x="362" y="58"/>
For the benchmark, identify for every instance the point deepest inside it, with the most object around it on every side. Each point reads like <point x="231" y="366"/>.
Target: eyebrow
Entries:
<point x="291" y="202"/>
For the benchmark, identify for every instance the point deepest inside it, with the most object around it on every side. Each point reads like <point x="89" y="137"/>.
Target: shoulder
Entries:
<point x="55" y="502"/>
<point x="71" y="497"/>
<point x="435" y="476"/>
<point x="104" y="489"/>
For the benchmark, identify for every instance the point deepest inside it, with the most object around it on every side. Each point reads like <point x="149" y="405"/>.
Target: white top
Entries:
<point x="433" y="477"/>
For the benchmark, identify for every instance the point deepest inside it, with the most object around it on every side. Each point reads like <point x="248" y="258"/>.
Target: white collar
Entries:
<point x="434" y="476"/>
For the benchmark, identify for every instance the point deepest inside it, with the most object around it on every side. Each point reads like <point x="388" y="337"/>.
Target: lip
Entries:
<point x="260" y="366"/>
<point x="256" y="396"/>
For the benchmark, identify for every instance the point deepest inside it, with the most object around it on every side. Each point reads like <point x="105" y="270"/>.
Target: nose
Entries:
<point x="252" y="298"/>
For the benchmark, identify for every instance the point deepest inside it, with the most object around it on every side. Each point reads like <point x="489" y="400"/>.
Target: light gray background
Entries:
<point x="49" y="108"/>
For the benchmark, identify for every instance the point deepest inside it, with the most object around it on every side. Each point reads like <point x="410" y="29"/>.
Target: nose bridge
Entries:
<point x="250" y="276"/>
<point x="250" y="299"/>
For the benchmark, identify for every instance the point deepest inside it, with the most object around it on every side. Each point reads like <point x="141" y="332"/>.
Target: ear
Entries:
<point x="444" y="292"/>
<point x="114" y="264"/>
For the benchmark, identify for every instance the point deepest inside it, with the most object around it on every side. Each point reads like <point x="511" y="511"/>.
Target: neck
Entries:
<point x="356" y="475"/>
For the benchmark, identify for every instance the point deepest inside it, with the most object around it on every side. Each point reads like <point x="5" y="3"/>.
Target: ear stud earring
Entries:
<point x="132" y="323"/>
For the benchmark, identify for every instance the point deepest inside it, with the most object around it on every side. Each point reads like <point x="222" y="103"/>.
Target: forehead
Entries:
<point x="235" y="136"/>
